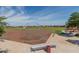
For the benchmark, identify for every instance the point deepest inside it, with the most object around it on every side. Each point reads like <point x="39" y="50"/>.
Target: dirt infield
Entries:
<point x="27" y="36"/>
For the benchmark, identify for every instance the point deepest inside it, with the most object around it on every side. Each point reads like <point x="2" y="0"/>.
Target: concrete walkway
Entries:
<point x="15" y="47"/>
<point x="62" y="46"/>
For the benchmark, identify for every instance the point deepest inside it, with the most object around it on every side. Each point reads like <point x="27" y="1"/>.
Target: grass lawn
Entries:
<point x="51" y="29"/>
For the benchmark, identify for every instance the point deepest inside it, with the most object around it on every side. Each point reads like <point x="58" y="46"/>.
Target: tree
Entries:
<point x="2" y="25"/>
<point x="73" y="20"/>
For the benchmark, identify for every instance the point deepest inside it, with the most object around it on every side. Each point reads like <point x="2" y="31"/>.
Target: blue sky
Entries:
<point x="37" y="15"/>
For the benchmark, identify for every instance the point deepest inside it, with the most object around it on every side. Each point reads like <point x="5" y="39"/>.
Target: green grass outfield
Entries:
<point x="51" y="29"/>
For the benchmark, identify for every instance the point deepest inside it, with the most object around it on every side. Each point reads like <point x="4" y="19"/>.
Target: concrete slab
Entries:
<point x="15" y="47"/>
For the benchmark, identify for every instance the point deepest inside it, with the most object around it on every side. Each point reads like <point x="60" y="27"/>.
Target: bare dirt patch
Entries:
<point x="27" y="36"/>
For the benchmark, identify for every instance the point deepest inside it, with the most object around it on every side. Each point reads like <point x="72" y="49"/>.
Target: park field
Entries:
<point x="30" y="34"/>
<point x="55" y="29"/>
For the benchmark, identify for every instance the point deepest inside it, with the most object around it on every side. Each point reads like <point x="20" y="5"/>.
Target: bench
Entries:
<point x="45" y="47"/>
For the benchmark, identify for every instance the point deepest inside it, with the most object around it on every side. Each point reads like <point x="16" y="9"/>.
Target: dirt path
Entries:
<point x="27" y="36"/>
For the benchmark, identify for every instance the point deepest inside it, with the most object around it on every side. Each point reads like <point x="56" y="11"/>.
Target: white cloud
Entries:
<point x="6" y="11"/>
<point x="17" y="16"/>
